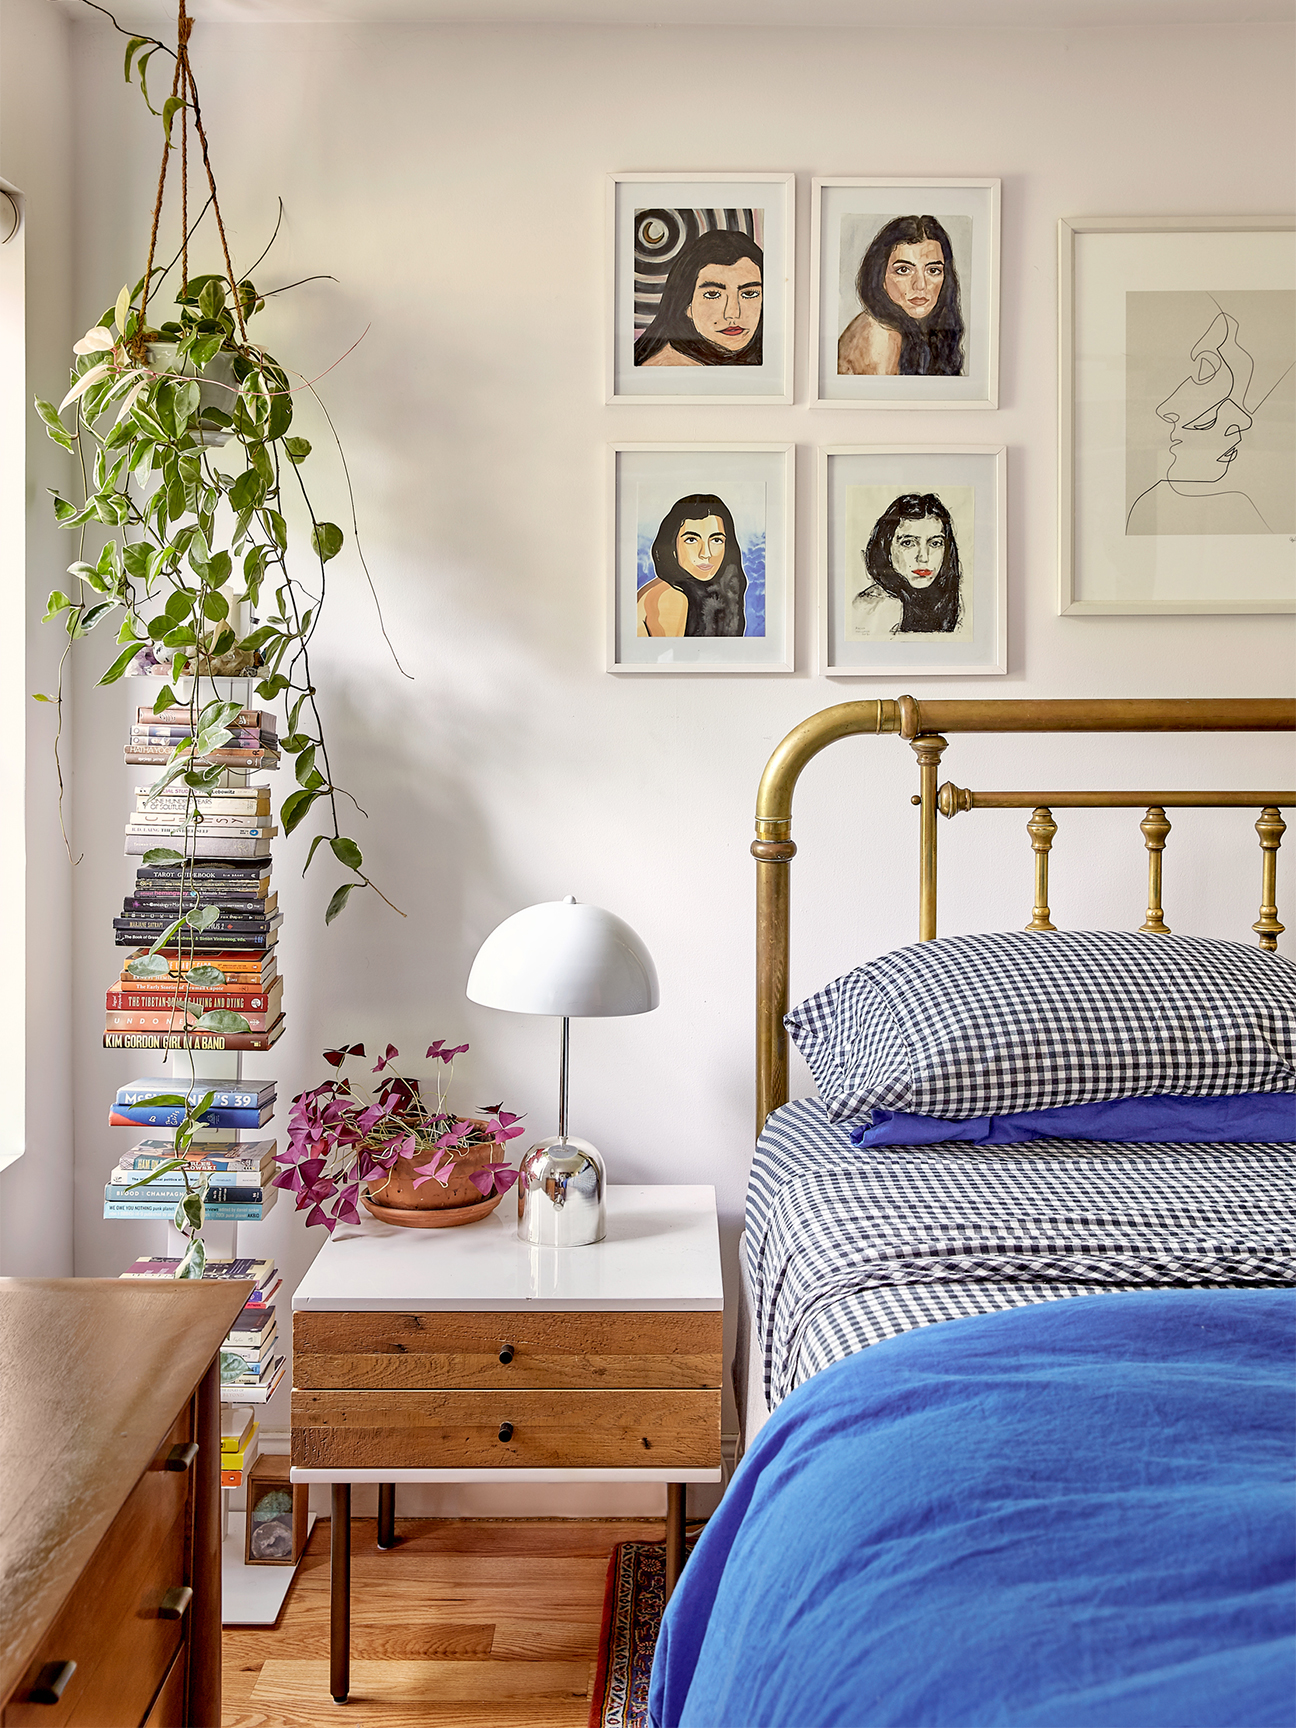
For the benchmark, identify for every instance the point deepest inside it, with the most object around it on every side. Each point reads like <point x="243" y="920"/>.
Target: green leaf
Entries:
<point x="92" y="616"/>
<point x="167" y="937"/>
<point x="317" y="841"/>
<point x="206" y="977"/>
<point x="346" y="852"/>
<point x="181" y="637"/>
<point x="162" y="1170"/>
<point x="222" y="1020"/>
<point x="219" y="567"/>
<point x="326" y="540"/>
<point x="169" y="108"/>
<point x="211" y="302"/>
<point x="339" y="900"/>
<point x="165" y="700"/>
<point x="278" y="529"/>
<point x="37" y="697"/>
<point x="148" y="965"/>
<point x="297" y="449"/>
<point x="122" y="308"/>
<point x="247" y="491"/>
<point x="294" y="807"/>
<point x="132" y="48"/>
<point x="192" y="1265"/>
<point x="180" y="604"/>
<point x="53" y="425"/>
<point x="259" y="457"/>
<point x="63" y="510"/>
<point x="118" y="668"/>
<point x="205" y="348"/>
<point x="305" y="764"/>
<point x="202" y="917"/>
<point x="269" y="688"/>
<point x="57" y="602"/>
<point x="190" y="1212"/>
<point x="293" y="742"/>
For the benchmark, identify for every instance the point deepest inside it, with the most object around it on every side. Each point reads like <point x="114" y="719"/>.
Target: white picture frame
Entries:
<point x="756" y="486"/>
<point x="861" y="519"/>
<point x="1154" y="312"/>
<point x="676" y="212"/>
<point x="847" y="217"/>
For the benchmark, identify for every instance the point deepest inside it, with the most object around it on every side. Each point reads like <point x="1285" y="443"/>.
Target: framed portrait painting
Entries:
<point x="700" y="287"/>
<point x="1177" y="395"/>
<point x="912" y="563"/>
<point x="701" y="558"/>
<point x="904" y="305"/>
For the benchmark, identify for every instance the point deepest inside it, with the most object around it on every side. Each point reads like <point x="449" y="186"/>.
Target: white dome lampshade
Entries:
<point x="565" y="958"/>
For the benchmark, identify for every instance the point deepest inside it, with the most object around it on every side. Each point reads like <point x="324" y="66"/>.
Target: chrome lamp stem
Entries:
<point x="563" y="1068"/>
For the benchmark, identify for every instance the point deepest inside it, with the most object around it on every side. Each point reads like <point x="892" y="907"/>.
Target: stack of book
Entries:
<point x="237" y="1174"/>
<point x="232" y="1106"/>
<point x="253" y="740"/>
<point x="254" y="1335"/>
<point x="162" y="1014"/>
<point x="239" y="1436"/>
<point x="226" y="822"/>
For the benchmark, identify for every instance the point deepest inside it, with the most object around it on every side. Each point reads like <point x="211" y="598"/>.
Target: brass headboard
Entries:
<point x="923" y="725"/>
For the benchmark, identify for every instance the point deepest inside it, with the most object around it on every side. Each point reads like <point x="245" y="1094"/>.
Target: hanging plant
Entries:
<point x="201" y="576"/>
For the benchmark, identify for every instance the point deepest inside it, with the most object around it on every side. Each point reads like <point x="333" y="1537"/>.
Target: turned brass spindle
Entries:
<point x="1271" y="828"/>
<point x="1041" y="829"/>
<point x="928" y="748"/>
<point x="1155" y="828"/>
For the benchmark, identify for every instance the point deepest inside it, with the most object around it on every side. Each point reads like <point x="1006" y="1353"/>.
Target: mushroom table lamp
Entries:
<point x="576" y="961"/>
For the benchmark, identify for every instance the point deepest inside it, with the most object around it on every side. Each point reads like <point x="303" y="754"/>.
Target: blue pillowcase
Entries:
<point x="1242" y="1116"/>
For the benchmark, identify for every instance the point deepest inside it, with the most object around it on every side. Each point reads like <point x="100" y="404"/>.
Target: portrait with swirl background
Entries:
<point x="698" y="287"/>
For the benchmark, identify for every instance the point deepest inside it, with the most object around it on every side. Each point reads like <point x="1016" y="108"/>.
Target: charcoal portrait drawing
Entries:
<point x="908" y="577"/>
<point x="698" y="288"/>
<point x="908" y="319"/>
<point x="1210" y="423"/>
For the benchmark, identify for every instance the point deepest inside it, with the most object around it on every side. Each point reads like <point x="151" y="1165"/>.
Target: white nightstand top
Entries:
<point x="662" y="1251"/>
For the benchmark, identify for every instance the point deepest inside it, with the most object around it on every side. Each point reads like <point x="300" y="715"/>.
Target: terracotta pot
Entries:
<point x="458" y="1202"/>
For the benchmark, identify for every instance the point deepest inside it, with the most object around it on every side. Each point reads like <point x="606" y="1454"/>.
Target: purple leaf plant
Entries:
<point x="341" y="1137"/>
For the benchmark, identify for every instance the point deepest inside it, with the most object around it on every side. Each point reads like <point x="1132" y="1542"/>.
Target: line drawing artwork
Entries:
<point x="698" y="574"/>
<point x="1210" y="394"/>
<point x="699" y="287"/>
<point x="910" y="320"/>
<point x="910" y="578"/>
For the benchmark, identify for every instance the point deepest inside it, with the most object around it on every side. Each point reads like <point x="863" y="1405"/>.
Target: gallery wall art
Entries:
<point x="904" y="299"/>
<point x="700" y="288"/>
<point x="701" y="557"/>
<point x="912" y="561"/>
<point x="1177" y="438"/>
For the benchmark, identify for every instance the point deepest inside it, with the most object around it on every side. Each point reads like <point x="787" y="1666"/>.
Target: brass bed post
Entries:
<point x="774" y="850"/>
<point x="1155" y="829"/>
<point x="1271" y="828"/>
<point x="928" y="747"/>
<point x="1041" y="829"/>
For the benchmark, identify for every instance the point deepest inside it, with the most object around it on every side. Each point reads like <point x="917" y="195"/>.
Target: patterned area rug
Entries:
<point x="632" y="1611"/>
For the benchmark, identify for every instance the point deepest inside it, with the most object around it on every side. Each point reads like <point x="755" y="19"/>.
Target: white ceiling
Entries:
<point x="1045" y="14"/>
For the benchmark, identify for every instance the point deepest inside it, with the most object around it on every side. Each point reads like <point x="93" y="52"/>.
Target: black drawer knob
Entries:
<point x="175" y="1604"/>
<point x="50" y="1682"/>
<point x="506" y="1354"/>
<point x="506" y="1431"/>
<point x="181" y="1457"/>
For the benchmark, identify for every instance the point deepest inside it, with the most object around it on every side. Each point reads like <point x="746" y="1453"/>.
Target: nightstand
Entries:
<point x="464" y="1354"/>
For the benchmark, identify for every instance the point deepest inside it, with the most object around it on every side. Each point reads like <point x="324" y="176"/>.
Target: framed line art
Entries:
<point x="701" y="558"/>
<point x="904" y="301"/>
<point x="912" y="561"/>
<point x="1177" y="399"/>
<point x="700" y="287"/>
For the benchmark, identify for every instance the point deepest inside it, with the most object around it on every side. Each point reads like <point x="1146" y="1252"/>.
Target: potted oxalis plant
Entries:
<point x="406" y="1159"/>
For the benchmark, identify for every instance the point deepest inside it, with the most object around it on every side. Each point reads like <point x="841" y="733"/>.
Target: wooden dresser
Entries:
<point x="110" y="1506"/>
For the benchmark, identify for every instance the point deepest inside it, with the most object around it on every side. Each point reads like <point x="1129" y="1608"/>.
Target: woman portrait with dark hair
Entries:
<point x="914" y="580"/>
<point x="912" y="320"/>
<point x="710" y="309"/>
<point x="699" y="583"/>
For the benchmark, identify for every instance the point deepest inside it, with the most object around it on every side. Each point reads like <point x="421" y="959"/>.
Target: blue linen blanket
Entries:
<point x="1066" y="1515"/>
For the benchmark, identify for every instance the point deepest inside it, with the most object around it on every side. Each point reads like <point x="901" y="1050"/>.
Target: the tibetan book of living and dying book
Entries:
<point x="171" y="996"/>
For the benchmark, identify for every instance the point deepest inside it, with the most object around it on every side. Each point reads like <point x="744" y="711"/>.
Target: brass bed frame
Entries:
<point x="924" y="725"/>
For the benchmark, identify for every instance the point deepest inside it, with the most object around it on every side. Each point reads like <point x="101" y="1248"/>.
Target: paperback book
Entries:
<point x="171" y="1116"/>
<point x="261" y="1272"/>
<point x="263" y="719"/>
<point x="241" y="1156"/>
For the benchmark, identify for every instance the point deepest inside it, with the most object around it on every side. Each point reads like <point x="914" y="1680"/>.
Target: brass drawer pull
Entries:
<point x="506" y="1354"/>
<point x="506" y="1431"/>
<point x="182" y="1456"/>
<point x="175" y="1604"/>
<point x="50" y="1682"/>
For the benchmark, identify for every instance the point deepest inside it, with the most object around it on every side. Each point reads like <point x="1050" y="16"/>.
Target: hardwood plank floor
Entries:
<point x="467" y="1623"/>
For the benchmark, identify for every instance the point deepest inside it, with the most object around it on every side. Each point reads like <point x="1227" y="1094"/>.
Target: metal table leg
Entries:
<point x="386" y="1514"/>
<point x="340" y="1594"/>
<point x="676" y="1511"/>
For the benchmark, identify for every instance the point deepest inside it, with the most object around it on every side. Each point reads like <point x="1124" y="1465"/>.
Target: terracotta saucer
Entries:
<point x="431" y="1217"/>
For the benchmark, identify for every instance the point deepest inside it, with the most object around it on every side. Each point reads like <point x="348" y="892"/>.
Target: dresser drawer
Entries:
<point x="590" y="1350"/>
<point x="110" y="1625"/>
<point x="428" y="1430"/>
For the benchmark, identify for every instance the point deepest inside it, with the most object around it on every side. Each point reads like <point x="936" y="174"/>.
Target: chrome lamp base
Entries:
<point x="560" y="1194"/>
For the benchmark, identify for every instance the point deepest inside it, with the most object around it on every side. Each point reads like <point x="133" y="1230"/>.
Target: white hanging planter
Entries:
<point x="217" y="385"/>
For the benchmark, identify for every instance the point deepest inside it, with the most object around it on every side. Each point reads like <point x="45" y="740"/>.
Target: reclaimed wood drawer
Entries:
<point x="571" y="1429"/>
<point x="410" y="1351"/>
<point x="110" y="1626"/>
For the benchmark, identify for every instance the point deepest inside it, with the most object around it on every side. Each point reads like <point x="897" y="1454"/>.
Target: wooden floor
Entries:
<point x="467" y="1623"/>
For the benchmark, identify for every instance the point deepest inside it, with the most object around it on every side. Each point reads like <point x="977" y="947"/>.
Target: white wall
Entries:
<point x="36" y="155"/>
<point x="453" y="180"/>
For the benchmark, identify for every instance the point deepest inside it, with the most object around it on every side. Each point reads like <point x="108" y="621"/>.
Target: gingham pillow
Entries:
<point x="1017" y="1020"/>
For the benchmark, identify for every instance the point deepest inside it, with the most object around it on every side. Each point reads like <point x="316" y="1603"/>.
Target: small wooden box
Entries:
<point x="277" y="1512"/>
